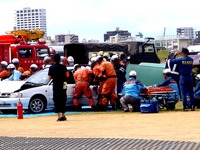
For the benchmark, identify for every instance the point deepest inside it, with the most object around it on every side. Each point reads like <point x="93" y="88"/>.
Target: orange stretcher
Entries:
<point x="160" y="93"/>
<point x="153" y="90"/>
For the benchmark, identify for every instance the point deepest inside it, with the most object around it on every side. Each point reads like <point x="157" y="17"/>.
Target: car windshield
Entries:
<point x="40" y="77"/>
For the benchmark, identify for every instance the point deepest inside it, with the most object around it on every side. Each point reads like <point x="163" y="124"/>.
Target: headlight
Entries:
<point x="16" y="95"/>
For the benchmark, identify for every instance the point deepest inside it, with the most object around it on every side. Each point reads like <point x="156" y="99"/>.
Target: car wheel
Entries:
<point x="36" y="105"/>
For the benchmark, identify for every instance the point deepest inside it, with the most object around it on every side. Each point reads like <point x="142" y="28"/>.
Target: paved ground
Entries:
<point x="22" y="143"/>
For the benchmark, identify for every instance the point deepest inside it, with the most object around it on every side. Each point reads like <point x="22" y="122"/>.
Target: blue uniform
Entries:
<point x="15" y="75"/>
<point x="197" y="89"/>
<point x="132" y="87"/>
<point x="172" y="83"/>
<point x="197" y="94"/>
<point x="186" y="81"/>
<point x="131" y="94"/>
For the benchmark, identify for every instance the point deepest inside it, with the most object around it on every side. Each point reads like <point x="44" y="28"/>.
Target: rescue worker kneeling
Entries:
<point x="81" y="78"/>
<point x="172" y="83"/>
<point x="131" y="92"/>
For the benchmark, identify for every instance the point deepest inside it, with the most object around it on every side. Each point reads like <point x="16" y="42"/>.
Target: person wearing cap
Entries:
<point x="170" y="82"/>
<point x="121" y="75"/>
<point x="4" y="73"/>
<point x="18" y="67"/>
<point x="33" y="69"/>
<point x="131" y="92"/>
<point x="47" y="62"/>
<point x="14" y="74"/>
<point x="108" y="80"/>
<point x="82" y="78"/>
<point x="197" y="91"/>
<point x="57" y="72"/>
<point x="186" y="81"/>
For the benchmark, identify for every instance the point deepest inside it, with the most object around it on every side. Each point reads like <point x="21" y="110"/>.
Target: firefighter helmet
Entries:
<point x="11" y="66"/>
<point x="4" y="63"/>
<point x="15" y="61"/>
<point x="165" y="71"/>
<point x="33" y="66"/>
<point x="198" y="77"/>
<point x="76" y="66"/>
<point x="132" y="73"/>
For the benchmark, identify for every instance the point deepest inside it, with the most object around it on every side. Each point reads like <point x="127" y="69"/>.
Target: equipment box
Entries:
<point x="149" y="106"/>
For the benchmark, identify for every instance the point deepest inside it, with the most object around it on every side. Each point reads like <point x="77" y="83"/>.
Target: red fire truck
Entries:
<point x="19" y="44"/>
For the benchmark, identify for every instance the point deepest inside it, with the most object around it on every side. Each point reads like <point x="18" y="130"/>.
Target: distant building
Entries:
<point x="93" y="41"/>
<point x="60" y="38"/>
<point x="30" y="19"/>
<point x="197" y="38"/>
<point x="117" y="31"/>
<point x="71" y="38"/>
<point x="187" y="32"/>
<point x="66" y="38"/>
<point x="116" y="38"/>
<point x="173" y="42"/>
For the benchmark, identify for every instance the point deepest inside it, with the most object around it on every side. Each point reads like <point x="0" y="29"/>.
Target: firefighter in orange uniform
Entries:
<point x="82" y="79"/>
<point x="28" y="73"/>
<point x="15" y="61"/>
<point x="108" y="76"/>
<point x="4" y="73"/>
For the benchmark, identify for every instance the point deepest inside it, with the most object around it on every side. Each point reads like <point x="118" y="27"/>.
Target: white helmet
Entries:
<point x="165" y="71"/>
<point x="132" y="73"/>
<point x="11" y="66"/>
<point x="198" y="77"/>
<point x="114" y="57"/>
<point x="4" y="63"/>
<point x="15" y="61"/>
<point x="70" y="59"/>
<point x="47" y="58"/>
<point x="33" y="66"/>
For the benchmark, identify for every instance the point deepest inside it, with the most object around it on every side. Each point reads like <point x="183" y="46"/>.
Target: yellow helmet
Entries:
<point x="101" y="53"/>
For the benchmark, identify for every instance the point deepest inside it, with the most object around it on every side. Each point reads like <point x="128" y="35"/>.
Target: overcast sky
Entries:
<point x="90" y="19"/>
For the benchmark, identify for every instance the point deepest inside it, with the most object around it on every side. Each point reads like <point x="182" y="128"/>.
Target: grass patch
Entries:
<point x="162" y="54"/>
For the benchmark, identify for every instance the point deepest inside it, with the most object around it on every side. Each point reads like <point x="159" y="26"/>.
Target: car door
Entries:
<point x="49" y="91"/>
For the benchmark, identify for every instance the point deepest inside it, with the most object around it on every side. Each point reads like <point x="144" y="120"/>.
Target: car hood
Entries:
<point x="10" y="86"/>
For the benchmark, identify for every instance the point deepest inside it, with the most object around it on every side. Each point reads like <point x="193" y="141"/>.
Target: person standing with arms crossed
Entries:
<point x="57" y="72"/>
<point x="186" y="81"/>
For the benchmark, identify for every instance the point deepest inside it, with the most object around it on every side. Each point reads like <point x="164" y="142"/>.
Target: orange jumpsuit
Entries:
<point x="4" y="74"/>
<point x="108" y="85"/>
<point x="81" y="77"/>
<point x="25" y="75"/>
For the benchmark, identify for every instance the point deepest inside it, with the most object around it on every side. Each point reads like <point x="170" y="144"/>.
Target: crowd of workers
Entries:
<point x="108" y="70"/>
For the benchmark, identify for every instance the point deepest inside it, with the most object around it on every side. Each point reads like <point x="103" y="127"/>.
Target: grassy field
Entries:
<point x="162" y="54"/>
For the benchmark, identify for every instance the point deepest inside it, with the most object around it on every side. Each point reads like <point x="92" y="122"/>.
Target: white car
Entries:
<point x="36" y="93"/>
